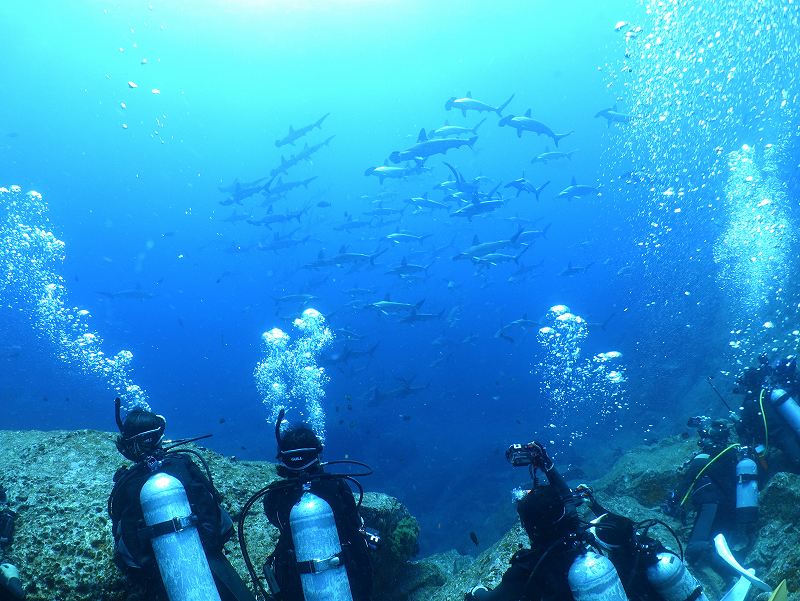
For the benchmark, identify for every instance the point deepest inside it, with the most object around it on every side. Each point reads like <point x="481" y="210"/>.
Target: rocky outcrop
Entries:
<point x="59" y="482"/>
<point x="635" y="486"/>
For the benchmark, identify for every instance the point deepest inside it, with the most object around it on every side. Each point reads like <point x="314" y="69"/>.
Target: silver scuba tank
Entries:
<point x="746" y="491"/>
<point x="318" y="551"/>
<point x="673" y="581"/>
<point x="176" y="542"/>
<point x="592" y="577"/>
<point x="787" y="407"/>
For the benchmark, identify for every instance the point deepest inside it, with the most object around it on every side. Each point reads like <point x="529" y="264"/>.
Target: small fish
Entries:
<point x="474" y="538"/>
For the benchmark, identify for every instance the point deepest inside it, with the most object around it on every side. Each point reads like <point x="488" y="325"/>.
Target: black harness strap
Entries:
<point x="170" y="526"/>
<point x="315" y="566"/>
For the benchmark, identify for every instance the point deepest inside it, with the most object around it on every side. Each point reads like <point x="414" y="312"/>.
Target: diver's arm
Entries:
<point x="554" y="477"/>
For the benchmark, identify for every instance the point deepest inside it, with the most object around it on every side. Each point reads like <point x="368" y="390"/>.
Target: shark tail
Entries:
<point x="471" y="141"/>
<point x="544" y="231"/>
<point x="516" y="236"/>
<point x="475" y="129"/>
<point x="557" y="137"/>
<point x="522" y="252"/>
<point x="318" y="124"/>
<point x="375" y="255"/>
<point x="538" y="191"/>
<point x="607" y="321"/>
<point x="500" y="108"/>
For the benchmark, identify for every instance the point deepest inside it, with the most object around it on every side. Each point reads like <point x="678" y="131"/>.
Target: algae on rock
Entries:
<point x="59" y="482"/>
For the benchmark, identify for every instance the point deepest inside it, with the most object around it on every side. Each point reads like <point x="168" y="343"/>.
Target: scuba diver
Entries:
<point x="169" y="528"/>
<point x="722" y="481"/>
<point x="610" y="558"/>
<point x="10" y="583"/>
<point x="769" y="416"/>
<point x="724" y="478"/>
<point x="323" y="548"/>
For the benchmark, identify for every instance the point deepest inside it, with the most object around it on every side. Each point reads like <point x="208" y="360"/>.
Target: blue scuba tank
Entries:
<point x="673" y="581"/>
<point x="787" y="407"/>
<point x="746" y="491"/>
<point x="318" y="551"/>
<point x="592" y="577"/>
<point x="176" y="542"/>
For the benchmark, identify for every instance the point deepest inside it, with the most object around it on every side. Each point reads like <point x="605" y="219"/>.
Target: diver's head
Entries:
<point x="611" y="531"/>
<point x="545" y="515"/>
<point x="784" y="372"/>
<point x="140" y="433"/>
<point x="299" y="447"/>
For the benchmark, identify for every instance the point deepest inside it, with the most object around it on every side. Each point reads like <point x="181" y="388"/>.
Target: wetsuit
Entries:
<point x="133" y="552"/>
<point x="777" y="433"/>
<point x="11" y="588"/>
<point x="278" y="503"/>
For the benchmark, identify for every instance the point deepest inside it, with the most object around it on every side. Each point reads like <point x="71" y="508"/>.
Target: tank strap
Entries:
<point x="696" y="593"/>
<point x="170" y="526"/>
<point x="315" y="566"/>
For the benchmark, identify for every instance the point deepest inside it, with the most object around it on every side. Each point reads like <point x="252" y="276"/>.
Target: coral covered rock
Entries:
<point x="59" y="482"/>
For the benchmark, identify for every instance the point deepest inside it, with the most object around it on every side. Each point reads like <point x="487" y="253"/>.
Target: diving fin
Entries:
<point x="781" y="593"/>
<point x="740" y="589"/>
<point x="724" y="551"/>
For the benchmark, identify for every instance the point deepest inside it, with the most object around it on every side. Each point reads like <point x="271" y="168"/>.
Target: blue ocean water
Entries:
<point x="129" y="118"/>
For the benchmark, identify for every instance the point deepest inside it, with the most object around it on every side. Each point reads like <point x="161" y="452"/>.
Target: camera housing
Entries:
<point x="520" y="455"/>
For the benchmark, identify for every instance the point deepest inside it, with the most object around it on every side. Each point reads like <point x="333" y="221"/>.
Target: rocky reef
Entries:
<point x="58" y="483"/>
<point x="635" y="486"/>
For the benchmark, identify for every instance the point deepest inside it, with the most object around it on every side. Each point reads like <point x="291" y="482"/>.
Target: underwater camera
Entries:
<point x="714" y="433"/>
<point x="779" y="373"/>
<point x="520" y="455"/>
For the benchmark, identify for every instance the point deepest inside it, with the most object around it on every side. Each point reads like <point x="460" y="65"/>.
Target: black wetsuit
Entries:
<point x="751" y="427"/>
<point x="713" y="497"/>
<point x="547" y="583"/>
<point x="278" y="503"/>
<point x="541" y="573"/>
<point x="10" y="589"/>
<point x="133" y="552"/>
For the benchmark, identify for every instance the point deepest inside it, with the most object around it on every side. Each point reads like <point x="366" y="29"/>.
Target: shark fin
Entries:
<point x="469" y="95"/>
<point x="528" y="113"/>
<point x="422" y="137"/>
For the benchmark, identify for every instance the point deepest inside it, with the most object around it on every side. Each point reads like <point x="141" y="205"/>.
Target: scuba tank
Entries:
<point x="318" y="551"/>
<point x="669" y="576"/>
<point x="10" y="583"/>
<point x="787" y="407"/>
<point x="176" y="542"/>
<point x="593" y="577"/>
<point x="746" y="491"/>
